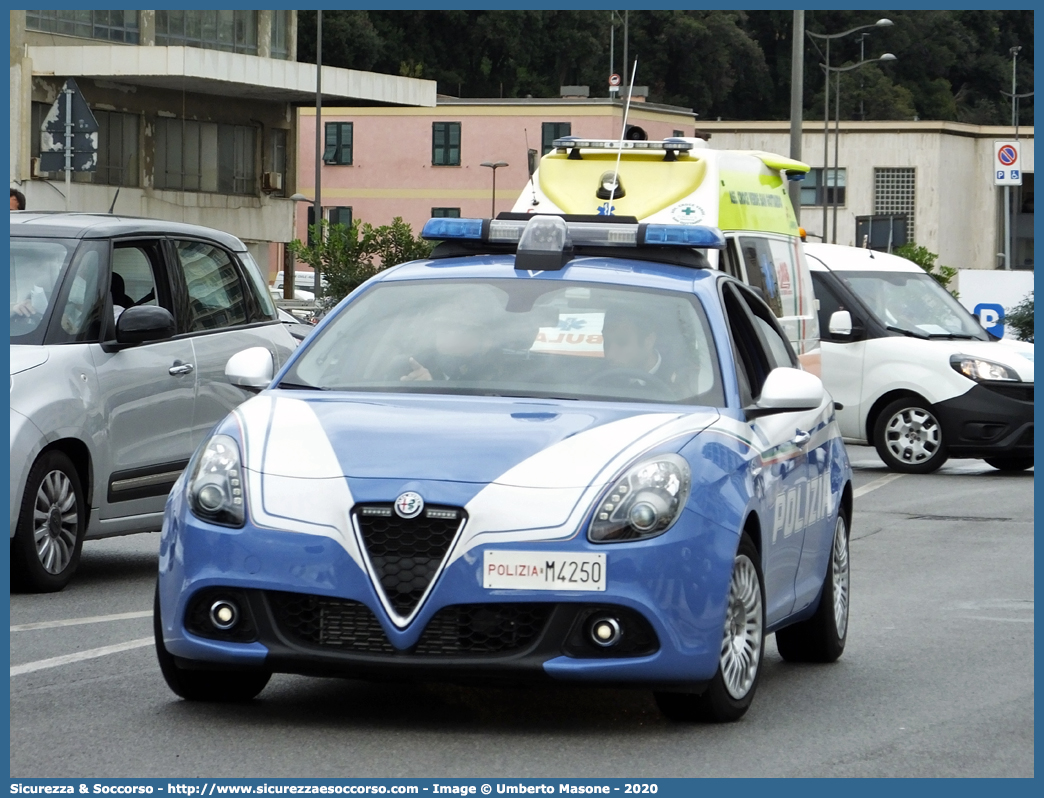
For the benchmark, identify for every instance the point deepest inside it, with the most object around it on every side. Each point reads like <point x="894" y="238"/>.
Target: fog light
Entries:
<point x="606" y="632"/>
<point x="224" y="614"/>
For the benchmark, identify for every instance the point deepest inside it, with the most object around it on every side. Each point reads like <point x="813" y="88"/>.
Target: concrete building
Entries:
<point x="416" y="163"/>
<point x="197" y="113"/>
<point x="940" y="174"/>
<point x="421" y="162"/>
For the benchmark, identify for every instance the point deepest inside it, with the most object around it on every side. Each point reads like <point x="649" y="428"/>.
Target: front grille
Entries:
<point x="462" y="629"/>
<point x="327" y="622"/>
<point x="1022" y="392"/>
<point x="406" y="553"/>
<point x="483" y="629"/>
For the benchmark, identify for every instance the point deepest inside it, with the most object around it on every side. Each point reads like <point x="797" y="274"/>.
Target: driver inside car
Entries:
<point x="463" y="337"/>
<point x="631" y="347"/>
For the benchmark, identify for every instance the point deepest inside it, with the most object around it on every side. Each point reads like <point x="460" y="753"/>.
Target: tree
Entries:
<point x="1020" y="318"/>
<point x="348" y="256"/>
<point x="952" y="65"/>
<point x="926" y="260"/>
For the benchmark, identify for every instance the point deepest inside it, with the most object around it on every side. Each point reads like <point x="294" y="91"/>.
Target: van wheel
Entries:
<point x="45" y="549"/>
<point x="909" y="437"/>
<point x="822" y="637"/>
<point x="1010" y="463"/>
<point x="224" y="686"/>
<point x="731" y="691"/>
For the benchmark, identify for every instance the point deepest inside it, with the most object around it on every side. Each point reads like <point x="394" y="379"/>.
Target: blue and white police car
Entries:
<point x="559" y="448"/>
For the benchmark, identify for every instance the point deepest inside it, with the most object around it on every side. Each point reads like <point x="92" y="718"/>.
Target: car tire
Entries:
<point x="216" y="686"/>
<point x="730" y="693"/>
<point x="822" y="637"/>
<point x="52" y="520"/>
<point x="1010" y="463"/>
<point x="909" y="437"/>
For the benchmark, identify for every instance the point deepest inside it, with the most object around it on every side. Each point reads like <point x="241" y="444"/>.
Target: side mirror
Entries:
<point x="143" y="324"/>
<point x="840" y="323"/>
<point x="787" y="390"/>
<point x="251" y="369"/>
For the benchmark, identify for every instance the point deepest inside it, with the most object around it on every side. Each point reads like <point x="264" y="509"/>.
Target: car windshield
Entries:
<point x="515" y="337"/>
<point x="914" y="304"/>
<point x="35" y="270"/>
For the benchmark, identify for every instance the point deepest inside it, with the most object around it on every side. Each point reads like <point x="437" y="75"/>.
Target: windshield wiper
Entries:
<point x="912" y="333"/>
<point x="299" y="386"/>
<point x="952" y="335"/>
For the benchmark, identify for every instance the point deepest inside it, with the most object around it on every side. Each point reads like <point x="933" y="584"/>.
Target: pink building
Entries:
<point x="380" y="163"/>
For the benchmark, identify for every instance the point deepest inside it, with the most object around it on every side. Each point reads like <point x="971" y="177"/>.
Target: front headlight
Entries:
<point x="980" y="370"/>
<point x="215" y="489"/>
<point x="644" y="502"/>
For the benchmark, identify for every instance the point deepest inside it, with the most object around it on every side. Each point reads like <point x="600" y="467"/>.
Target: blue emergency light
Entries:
<point x="547" y="242"/>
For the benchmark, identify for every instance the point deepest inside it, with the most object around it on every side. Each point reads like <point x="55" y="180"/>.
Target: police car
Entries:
<point x="558" y="449"/>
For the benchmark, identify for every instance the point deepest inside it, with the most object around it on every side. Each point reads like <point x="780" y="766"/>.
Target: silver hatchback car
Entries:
<point x="120" y="332"/>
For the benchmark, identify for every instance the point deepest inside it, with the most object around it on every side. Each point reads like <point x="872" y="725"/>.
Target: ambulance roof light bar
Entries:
<point x="573" y="145"/>
<point x="544" y="240"/>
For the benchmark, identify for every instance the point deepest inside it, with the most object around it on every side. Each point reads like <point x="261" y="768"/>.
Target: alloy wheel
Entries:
<point x="55" y="521"/>
<point x="741" y="643"/>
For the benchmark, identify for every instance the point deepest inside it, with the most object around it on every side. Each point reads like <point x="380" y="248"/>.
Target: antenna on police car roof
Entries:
<point x="623" y="132"/>
<point x="532" y="166"/>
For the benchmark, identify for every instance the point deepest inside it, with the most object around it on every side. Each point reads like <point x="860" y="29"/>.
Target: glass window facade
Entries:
<point x="113" y="26"/>
<point x="231" y="31"/>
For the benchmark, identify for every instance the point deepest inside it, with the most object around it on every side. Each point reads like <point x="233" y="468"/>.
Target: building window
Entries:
<point x="280" y="34"/>
<point x="445" y="143"/>
<point x="204" y="156"/>
<point x="549" y="131"/>
<point x="894" y="191"/>
<point x="113" y="26"/>
<point x="275" y="158"/>
<point x="445" y="213"/>
<point x="118" y="149"/>
<point x="678" y="134"/>
<point x="232" y="31"/>
<point x="338" y="148"/>
<point x="339" y="215"/>
<point x="817" y="191"/>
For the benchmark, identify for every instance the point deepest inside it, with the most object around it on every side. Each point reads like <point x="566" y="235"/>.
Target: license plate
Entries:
<point x="543" y="570"/>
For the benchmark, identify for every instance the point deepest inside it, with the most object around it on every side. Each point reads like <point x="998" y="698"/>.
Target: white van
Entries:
<point x="912" y="371"/>
<point x="683" y="181"/>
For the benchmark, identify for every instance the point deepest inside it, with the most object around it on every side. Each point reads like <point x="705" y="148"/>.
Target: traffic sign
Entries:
<point x="69" y="116"/>
<point x="1007" y="168"/>
<point x="614" y="79"/>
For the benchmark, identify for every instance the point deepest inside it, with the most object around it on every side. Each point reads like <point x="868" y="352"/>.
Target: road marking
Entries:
<point x="79" y="656"/>
<point x="880" y="482"/>
<point x="1002" y="620"/>
<point x="121" y="616"/>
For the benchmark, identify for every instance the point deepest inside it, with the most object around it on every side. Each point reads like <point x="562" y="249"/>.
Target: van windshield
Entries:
<point x="913" y="304"/>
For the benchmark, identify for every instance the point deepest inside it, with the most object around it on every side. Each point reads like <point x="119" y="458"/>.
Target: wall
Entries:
<point x="955" y="202"/>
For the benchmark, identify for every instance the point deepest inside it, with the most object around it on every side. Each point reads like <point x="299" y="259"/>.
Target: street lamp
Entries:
<point x="881" y="23"/>
<point x="837" y="131"/>
<point x="494" y="167"/>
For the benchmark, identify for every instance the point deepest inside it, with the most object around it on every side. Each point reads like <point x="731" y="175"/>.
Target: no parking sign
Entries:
<point x="1007" y="168"/>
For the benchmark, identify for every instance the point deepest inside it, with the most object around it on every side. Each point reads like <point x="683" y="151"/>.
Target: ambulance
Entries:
<point x="683" y="181"/>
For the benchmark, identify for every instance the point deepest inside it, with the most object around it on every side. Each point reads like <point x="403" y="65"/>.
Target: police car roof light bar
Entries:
<point x="581" y="234"/>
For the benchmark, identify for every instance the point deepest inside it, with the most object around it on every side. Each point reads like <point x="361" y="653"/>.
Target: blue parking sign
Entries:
<point x="1000" y="174"/>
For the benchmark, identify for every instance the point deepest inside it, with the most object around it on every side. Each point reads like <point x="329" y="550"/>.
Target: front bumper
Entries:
<point x="989" y="421"/>
<point x="668" y="592"/>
